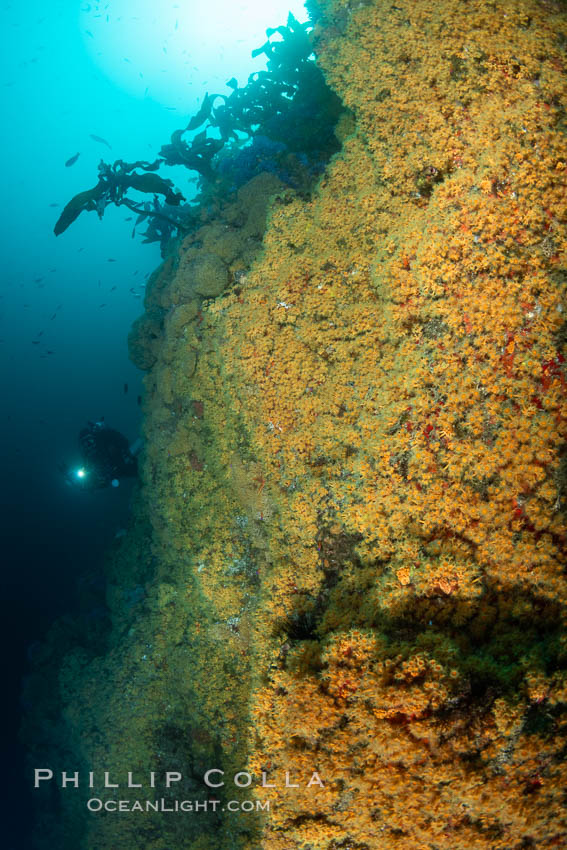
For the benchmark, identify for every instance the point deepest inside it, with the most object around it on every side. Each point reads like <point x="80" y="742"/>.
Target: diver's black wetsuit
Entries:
<point x="106" y="454"/>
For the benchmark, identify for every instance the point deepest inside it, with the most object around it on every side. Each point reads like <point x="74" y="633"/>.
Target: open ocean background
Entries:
<point x="130" y="74"/>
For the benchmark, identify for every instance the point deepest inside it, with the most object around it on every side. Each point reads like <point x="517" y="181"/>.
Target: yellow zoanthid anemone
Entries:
<point x="355" y="464"/>
<point x="397" y="358"/>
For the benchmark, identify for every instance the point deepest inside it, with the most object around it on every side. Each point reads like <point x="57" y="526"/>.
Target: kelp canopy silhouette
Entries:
<point x="289" y="106"/>
<point x="113" y="181"/>
<point x="289" y="102"/>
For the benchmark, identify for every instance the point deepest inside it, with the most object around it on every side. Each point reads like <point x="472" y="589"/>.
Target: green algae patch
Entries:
<point x="209" y="274"/>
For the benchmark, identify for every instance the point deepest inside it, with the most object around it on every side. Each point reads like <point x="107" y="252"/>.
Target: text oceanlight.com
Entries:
<point x="188" y="806"/>
<point x="214" y="778"/>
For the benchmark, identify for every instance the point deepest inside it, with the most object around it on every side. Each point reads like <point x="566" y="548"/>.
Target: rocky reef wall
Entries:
<point x="355" y="466"/>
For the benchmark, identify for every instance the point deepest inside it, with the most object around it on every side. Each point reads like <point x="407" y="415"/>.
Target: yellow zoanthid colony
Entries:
<point x="396" y="357"/>
<point x="355" y="464"/>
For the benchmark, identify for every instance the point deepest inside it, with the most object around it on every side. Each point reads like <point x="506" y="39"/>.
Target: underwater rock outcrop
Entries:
<point x="355" y="466"/>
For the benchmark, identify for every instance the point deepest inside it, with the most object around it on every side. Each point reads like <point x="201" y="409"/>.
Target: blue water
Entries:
<point x="64" y="356"/>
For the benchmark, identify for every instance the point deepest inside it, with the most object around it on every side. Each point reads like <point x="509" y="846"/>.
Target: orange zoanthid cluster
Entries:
<point x="396" y="357"/>
<point x="355" y="464"/>
<point x="355" y="471"/>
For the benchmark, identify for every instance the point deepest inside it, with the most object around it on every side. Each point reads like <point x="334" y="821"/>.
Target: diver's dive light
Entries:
<point x="81" y="473"/>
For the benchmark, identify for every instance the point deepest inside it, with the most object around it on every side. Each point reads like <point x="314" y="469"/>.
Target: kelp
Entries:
<point x="114" y="180"/>
<point x="287" y="110"/>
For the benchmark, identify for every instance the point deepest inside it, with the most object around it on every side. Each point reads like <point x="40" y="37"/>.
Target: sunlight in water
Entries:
<point x="172" y="52"/>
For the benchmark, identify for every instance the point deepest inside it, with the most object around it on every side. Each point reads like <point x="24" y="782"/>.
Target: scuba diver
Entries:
<point x="106" y="457"/>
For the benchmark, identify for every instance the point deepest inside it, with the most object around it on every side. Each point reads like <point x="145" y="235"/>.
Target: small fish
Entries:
<point x="125" y="388"/>
<point x="35" y="341"/>
<point x="54" y="205"/>
<point x="129" y="218"/>
<point x="72" y="160"/>
<point x="102" y="305"/>
<point x="128" y="60"/>
<point x="50" y="351"/>
<point x="112" y="288"/>
<point x="54" y="316"/>
<point x="139" y="399"/>
<point x="89" y="33"/>
<point x="111" y="260"/>
<point x="101" y="140"/>
<point x="37" y="279"/>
